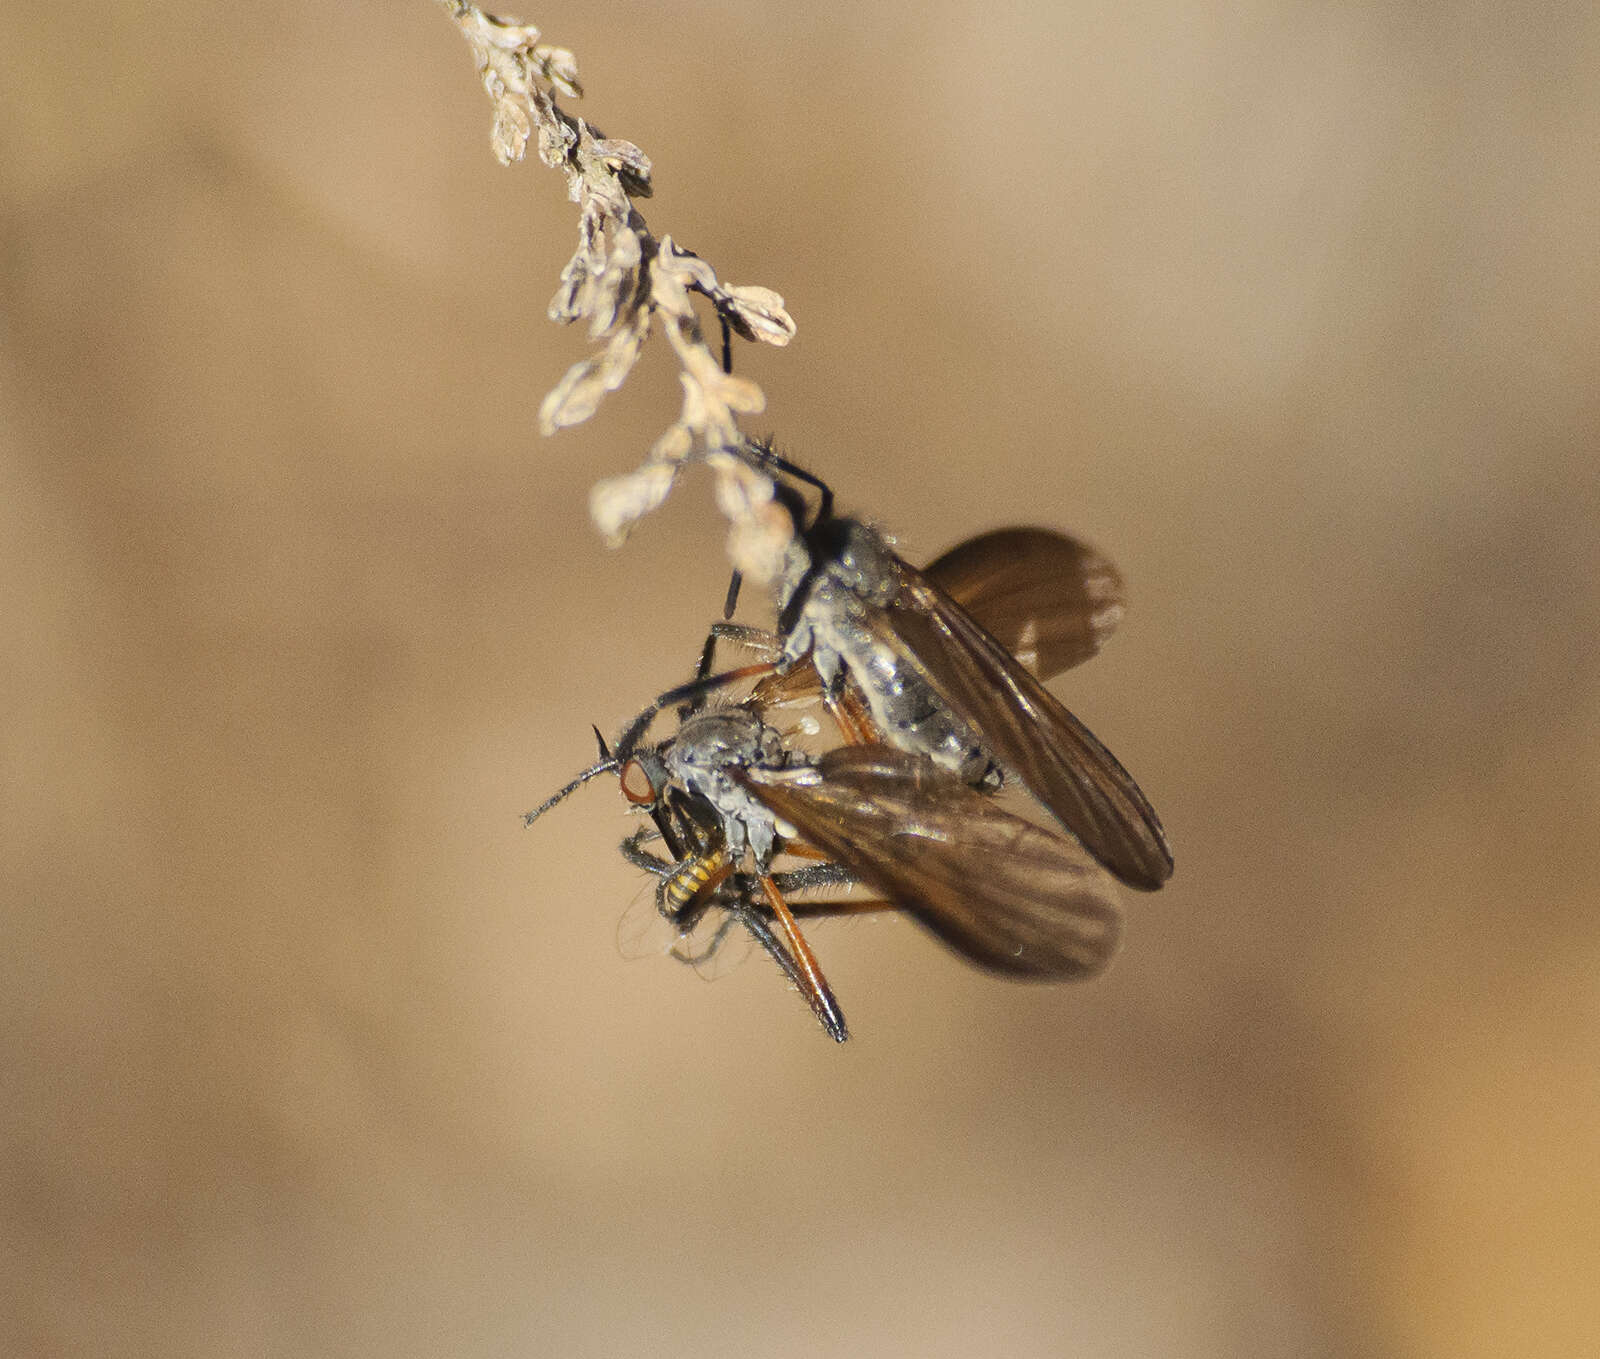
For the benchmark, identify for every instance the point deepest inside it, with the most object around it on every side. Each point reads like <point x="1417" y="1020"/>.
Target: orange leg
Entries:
<point x="852" y="716"/>
<point x="815" y="910"/>
<point x="845" y="720"/>
<point x="800" y="851"/>
<point x="861" y="713"/>
<point x="817" y="994"/>
<point x="750" y="671"/>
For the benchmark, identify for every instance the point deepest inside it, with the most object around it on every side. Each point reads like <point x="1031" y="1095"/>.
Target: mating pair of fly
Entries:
<point x="934" y="681"/>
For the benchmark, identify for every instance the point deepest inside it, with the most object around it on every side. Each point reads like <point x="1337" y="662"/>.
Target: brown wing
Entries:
<point x="1001" y="891"/>
<point x="1028" y="730"/>
<point x="1048" y="599"/>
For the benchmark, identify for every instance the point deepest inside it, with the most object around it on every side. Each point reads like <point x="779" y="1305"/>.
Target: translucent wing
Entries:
<point x="712" y="943"/>
<point x="1029" y="731"/>
<point x="1048" y="599"/>
<point x="1001" y="891"/>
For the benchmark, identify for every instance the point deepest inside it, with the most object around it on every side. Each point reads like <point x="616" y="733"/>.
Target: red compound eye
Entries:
<point x="636" y="785"/>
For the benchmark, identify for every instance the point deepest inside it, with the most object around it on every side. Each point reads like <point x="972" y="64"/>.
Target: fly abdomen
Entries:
<point x="906" y="710"/>
<point x="834" y="627"/>
<point x="691" y="879"/>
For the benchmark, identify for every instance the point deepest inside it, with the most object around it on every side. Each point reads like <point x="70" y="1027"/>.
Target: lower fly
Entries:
<point x="720" y="839"/>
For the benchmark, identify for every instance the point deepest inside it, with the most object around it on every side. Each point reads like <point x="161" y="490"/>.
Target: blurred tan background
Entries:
<point x="308" y="1049"/>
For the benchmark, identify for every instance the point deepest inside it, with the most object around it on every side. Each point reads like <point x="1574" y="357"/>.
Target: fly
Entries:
<point x="720" y="839"/>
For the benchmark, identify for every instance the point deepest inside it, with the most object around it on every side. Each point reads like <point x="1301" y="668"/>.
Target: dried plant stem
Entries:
<point x="623" y="280"/>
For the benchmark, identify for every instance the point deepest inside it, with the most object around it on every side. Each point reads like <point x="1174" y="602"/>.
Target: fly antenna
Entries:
<point x="604" y="766"/>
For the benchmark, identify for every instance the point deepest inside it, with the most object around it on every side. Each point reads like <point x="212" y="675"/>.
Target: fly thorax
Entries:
<point x="828" y="626"/>
<point x="706" y="748"/>
<point x="745" y="822"/>
<point x="721" y="737"/>
<point x="864" y="565"/>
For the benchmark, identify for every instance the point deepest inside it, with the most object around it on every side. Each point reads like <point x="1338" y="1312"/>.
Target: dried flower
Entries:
<point x="622" y="281"/>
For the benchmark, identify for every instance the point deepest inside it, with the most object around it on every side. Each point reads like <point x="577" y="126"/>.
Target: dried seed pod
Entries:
<point x="621" y="278"/>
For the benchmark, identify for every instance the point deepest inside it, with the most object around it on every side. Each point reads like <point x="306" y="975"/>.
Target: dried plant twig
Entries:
<point x="622" y="280"/>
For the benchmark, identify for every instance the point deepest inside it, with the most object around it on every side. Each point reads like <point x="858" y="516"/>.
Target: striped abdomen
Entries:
<point x="692" y="878"/>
